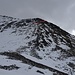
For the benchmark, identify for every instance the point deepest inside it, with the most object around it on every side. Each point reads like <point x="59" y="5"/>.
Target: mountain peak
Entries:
<point x="37" y="38"/>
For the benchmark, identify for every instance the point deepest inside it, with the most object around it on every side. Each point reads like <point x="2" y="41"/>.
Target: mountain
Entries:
<point x="35" y="47"/>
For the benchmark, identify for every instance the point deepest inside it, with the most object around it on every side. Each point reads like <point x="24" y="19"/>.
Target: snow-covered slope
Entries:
<point x="6" y="19"/>
<point x="39" y="41"/>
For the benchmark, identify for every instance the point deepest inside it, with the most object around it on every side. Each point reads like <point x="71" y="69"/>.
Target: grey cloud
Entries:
<point x="60" y="12"/>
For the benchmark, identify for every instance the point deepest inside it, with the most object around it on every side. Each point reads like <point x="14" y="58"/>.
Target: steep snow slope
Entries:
<point x="23" y="69"/>
<point x="39" y="41"/>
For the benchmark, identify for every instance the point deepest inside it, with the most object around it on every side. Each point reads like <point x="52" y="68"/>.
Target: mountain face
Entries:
<point x="35" y="46"/>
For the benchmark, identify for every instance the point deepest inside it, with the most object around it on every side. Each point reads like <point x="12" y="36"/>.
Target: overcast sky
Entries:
<point x="60" y="12"/>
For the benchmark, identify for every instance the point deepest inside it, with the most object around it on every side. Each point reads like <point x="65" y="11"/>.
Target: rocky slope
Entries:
<point x="39" y="41"/>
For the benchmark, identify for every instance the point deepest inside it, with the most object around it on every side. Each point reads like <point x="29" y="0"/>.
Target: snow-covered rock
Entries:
<point x="38" y="40"/>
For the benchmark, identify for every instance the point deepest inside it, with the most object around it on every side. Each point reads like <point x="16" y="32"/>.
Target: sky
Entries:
<point x="59" y="12"/>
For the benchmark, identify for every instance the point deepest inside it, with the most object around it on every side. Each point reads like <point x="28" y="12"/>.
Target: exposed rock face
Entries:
<point x="37" y="38"/>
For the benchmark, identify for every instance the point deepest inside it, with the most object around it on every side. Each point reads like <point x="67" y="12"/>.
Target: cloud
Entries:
<point x="73" y="32"/>
<point x="60" y="12"/>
